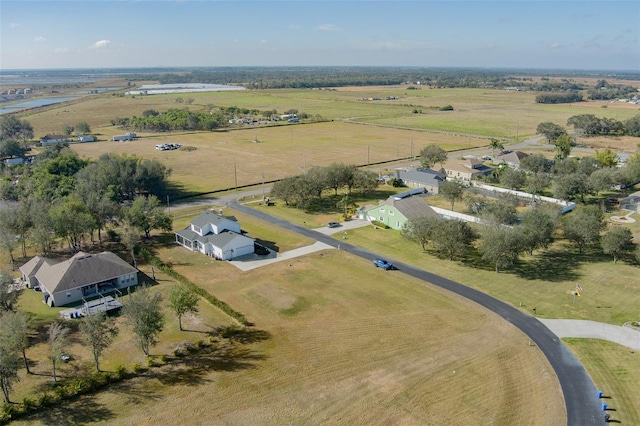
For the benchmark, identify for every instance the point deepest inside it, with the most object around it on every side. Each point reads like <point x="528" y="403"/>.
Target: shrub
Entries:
<point x="137" y="368"/>
<point x="379" y="224"/>
<point x="121" y="372"/>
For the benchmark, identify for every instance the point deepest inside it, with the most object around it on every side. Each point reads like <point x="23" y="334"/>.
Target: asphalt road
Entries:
<point x="580" y="394"/>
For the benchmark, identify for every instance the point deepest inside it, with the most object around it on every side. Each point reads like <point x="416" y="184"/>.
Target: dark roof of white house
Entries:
<point x="82" y="269"/>
<point x="32" y="266"/>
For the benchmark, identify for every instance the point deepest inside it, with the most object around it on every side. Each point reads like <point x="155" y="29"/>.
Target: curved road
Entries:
<point x="581" y="401"/>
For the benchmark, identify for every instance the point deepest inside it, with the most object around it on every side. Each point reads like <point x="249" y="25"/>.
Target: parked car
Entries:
<point x="333" y="224"/>
<point x="381" y="263"/>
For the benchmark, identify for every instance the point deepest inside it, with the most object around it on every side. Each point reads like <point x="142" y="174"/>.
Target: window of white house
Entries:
<point x="382" y="210"/>
<point x="390" y="212"/>
<point x="381" y="218"/>
<point x="397" y="224"/>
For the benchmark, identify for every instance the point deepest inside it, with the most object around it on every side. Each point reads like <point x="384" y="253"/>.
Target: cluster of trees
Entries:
<point x="173" y="119"/>
<point x="81" y="128"/>
<point x="502" y="245"/>
<point x="15" y="135"/>
<point x="605" y="91"/>
<point x="142" y="313"/>
<point x="590" y="125"/>
<point x="303" y="190"/>
<point x="559" y="98"/>
<point x="61" y="197"/>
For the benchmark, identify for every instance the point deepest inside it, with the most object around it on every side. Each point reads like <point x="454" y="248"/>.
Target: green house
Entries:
<point x="397" y="210"/>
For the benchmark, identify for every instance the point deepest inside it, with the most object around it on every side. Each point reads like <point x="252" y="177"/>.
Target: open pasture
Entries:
<point x="227" y="159"/>
<point x="345" y="343"/>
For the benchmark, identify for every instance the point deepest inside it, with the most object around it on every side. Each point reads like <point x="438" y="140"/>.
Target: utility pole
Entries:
<point x="263" y="185"/>
<point x="368" y="153"/>
<point x="235" y="175"/>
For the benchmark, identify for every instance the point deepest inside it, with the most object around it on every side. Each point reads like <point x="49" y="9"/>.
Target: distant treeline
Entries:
<point x="327" y="77"/>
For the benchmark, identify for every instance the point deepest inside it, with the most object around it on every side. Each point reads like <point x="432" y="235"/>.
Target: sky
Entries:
<point x="562" y="34"/>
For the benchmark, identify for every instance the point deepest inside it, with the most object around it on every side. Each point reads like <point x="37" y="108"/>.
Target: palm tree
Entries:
<point x="495" y="144"/>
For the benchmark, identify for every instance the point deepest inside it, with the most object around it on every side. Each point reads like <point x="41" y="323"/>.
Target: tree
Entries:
<point x="452" y="191"/>
<point x="632" y="126"/>
<point x="8" y="240"/>
<point x="606" y="157"/>
<point x="182" y="301"/>
<point x="420" y="230"/>
<point x="583" y="227"/>
<point x="535" y="163"/>
<point x="57" y="338"/>
<point x="9" y="358"/>
<point x="537" y="228"/>
<point x="82" y="128"/>
<point x="501" y="246"/>
<point x="563" y="144"/>
<point x="513" y="179"/>
<point x="11" y="148"/>
<point x="130" y="239"/>
<point x="495" y="145"/>
<point x="602" y="180"/>
<point x="67" y="129"/>
<point x="71" y="221"/>
<point x="432" y="154"/>
<point x="8" y="296"/>
<point x="146" y="214"/>
<point x="99" y="332"/>
<point x="16" y="324"/>
<point x="338" y="175"/>
<point x="537" y="183"/>
<point x="144" y="314"/>
<point x="12" y="127"/>
<point x="452" y="237"/>
<point x="568" y="187"/>
<point x="499" y="212"/>
<point x="551" y="131"/>
<point x="617" y="241"/>
<point x="364" y="180"/>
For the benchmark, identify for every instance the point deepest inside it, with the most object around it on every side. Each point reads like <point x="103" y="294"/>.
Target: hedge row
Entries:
<point x="193" y="287"/>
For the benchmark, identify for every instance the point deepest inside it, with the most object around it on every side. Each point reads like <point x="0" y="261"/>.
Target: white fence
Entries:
<point x="567" y="206"/>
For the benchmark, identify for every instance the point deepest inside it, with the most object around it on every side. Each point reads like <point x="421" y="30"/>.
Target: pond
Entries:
<point x="32" y="104"/>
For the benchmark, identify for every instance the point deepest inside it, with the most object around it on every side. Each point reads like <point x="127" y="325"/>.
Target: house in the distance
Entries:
<point x="511" y="158"/>
<point x="53" y="139"/>
<point x="422" y="177"/>
<point x="81" y="277"/>
<point x="465" y="169"/>
<point x="216" y="236"/>
<point x="399" y="209"/>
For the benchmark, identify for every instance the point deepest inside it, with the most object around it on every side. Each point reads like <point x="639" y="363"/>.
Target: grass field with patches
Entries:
<point x="344" y="343"/>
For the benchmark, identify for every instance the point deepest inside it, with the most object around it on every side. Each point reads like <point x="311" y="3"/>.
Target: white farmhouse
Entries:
<point x="216" y="236"/>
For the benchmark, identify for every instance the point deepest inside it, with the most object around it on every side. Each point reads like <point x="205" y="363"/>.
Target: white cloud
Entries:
<point x="326" y="27"/>
<point x="101" y="44"/>
<point x="61" y="50"/>
<point x="14" y="25"/>
<point x="263" y="41"/>
<point x="555" y="45"/>
<point x="39" y="39"/>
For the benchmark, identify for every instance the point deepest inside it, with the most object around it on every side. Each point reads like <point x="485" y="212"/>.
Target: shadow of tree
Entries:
<point x="557" y="265"/>
<point x="243" y="336"/>
<point x="81" y="411"/>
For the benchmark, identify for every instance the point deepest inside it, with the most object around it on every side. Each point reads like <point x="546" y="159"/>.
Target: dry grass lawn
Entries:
<point x="343" y="343"/>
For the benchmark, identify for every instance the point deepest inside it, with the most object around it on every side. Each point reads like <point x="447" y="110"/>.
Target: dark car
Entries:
<point x="381" y="263"/>
<point x="333" y="224"/>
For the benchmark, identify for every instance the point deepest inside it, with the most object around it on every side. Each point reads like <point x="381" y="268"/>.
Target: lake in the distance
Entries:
<point x="33" y="104"/>
<point x="156" y="89"/>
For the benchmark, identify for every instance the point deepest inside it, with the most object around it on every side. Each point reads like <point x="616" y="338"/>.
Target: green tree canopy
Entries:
<point x="144" y="314"/>
<point x="432" y="154"/>
<point x="452" y="191"/>
<point x="182" y="301"/>
<point x="617" y="241"/>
